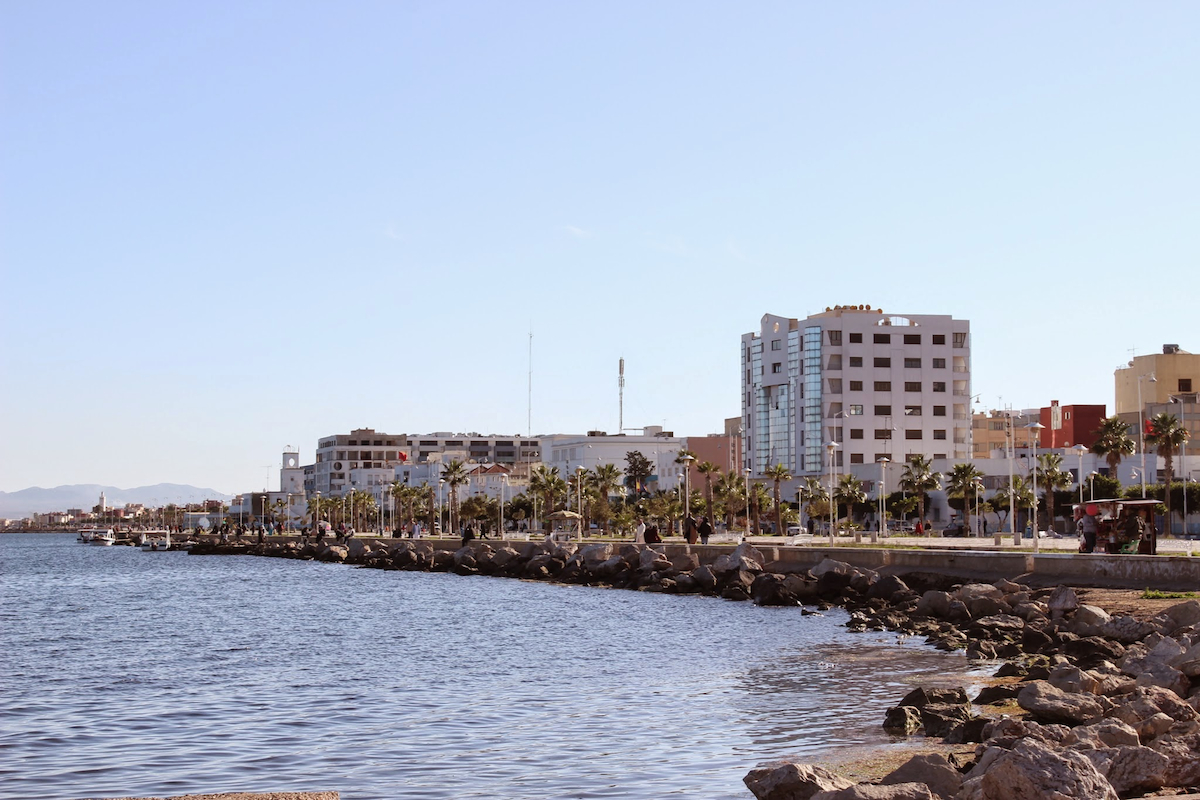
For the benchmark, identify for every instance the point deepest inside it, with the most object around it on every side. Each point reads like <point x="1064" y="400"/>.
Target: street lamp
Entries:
<point x="1080" y="450"/>
<point x="1035" y="428"/>
<point x="579" y="473"/>
<point x="747" y="534"/>
<point x="441" y="483"/>
<point x="1142" y="427"/>
<point x="830" y="448"/>
<point x="1092" y="485"/>
<point x="503" y="483"/>
<point x="883" y="462"/>
<point x="1176" y="398"/>
<point x="687" y="485"/>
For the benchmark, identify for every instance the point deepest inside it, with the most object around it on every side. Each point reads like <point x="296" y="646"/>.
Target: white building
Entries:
<point x="874" y="385"/>
<point x="569" y="452"/>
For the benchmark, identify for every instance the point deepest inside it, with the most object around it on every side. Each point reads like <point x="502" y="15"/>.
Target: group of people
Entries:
<point x="694" y="528"/>
<point x="1112" y="535"/>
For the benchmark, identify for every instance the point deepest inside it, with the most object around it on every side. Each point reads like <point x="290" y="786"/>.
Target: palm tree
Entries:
<point x="849" y="491"/>
<point x="778" y="474"/>
<point x="919" y="478"/>
<point x="1113" y="442"/>
<point x="455" y="475"/>
<point x="964" y="480"/>
<point x="546" y="482"/>
<point x="1167" y="435"/>
<point x="1022" y="495"/>
<point x="708" y="469"/>
<point x="1051" y="475"/>
<point x="606" y="478"/>
<point x="818" y="496"/>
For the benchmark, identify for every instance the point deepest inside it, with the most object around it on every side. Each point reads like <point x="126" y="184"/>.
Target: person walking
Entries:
<point x="639" y="533"/>
<point x="706" y="530"/>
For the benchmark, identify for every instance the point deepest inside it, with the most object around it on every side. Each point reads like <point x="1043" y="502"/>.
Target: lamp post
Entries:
<point x="441" y="483"/>
<point x="830" y="448"/>
<point x="1176" y="398"/>
<point x="579" y="473"/>
<point x="287" y="520"/>
<point x="503" y="483"/>
<point x="1142" y="427"/>
<point x="883" y="462"/>
<point x="747" y="534"/>
<point x="1080" y="450"/>
<point x="1035" y="428"/>
<point x="1092" y="485"/>
<point x="687" y="487"/>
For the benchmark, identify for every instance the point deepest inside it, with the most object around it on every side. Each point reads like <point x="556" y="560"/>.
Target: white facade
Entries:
<point x="570" y="452"/>
<point x="877" y="385"/>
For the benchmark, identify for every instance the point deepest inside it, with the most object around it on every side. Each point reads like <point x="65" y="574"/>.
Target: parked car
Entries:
<point x="955" y="530"/>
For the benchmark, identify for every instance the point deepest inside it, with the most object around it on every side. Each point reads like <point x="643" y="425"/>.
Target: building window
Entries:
<point x="912" y="411"/>
<point x="912" y="363"/>
<point x="776" y="368"/>
<point x="885" y="386"/>
<point x="856" y="458"/>
<point x="939" y="338"/>
<point x="939" y="363"/>
<point x="856" y="386"/>
<point x="912" y="386"/>
<point x="939" y="455"/>
<point x="883" y="411"/>
<point x="939" y="411"/>
<point x="1185" y="385"/>
<point x="883" y="362"/>
<point x="939" y="386"/>
<point x="856" y="433"/>
<point x="855" y="411"/>
<point x="856" y="361"/>
<point x="882" y="433"/>
<point x="835" y="361"/>
<point x="913" y="434"/>
<point x="883" y="338"/>
<point x="835" y="385"/>
<point x="856" y="338"/>
<point x="776" y="344"/>
<point x="912" y="338"/>
<point x="835" y="337"/>
<point x="960" y="339"/>
<point x="939" y="434"/>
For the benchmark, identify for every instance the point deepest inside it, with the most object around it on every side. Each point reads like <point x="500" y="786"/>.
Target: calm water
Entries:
<point x="131" y="673"/>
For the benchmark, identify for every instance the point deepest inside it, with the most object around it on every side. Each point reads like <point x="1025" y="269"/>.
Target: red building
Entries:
<point x="1067" y="426"/>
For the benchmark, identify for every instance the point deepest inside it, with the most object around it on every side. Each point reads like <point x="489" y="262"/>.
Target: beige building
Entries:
<point x="1156" y="378"/>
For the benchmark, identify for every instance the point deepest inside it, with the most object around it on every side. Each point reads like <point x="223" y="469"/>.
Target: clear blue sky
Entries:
<point x="230" y="227"/>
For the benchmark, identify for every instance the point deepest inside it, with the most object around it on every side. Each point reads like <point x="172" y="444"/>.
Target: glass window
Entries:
<point x="912" y="363"/>
<point x="835" y="361"/>
<point x="1185" y="385"/>
<point x="912" y="338"/>
<point x="881" y="362"/>
<point x="939" y="411"/>
<point x="856" y="338"/>
<point x="912" y="411"/>
<point x="856" y="458"/>
<point x="912" y="386"/>
<point x="880" y="411"/>
<point x="856" y="361"/>
<point x="835" y="338"/>
<point x="855" y="411"/>
<point x="856" y="386"/>
<point x="886" y="386"/>
<point x="939" y="338"/>
<point x="880" y="433"/>
<point x="939" y="434"/>
<point x="776" y="368"/>
<point x="939" y="386"/>
<point x="911" y="434"/>
<point x="856" y="433"/>
<point x="775" y="345"/>
<point x="960" y="339"/>
<point x="883" y="338"/>
<point x="939" y="363"/>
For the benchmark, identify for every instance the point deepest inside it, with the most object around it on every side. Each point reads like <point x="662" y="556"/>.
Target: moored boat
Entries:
<point x="156" y="541"/>
<point x="100" y="536"/>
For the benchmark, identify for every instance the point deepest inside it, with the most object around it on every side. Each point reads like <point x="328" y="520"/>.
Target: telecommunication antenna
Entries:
<point x="529" y="401"/>
<point x="621" y="396"/>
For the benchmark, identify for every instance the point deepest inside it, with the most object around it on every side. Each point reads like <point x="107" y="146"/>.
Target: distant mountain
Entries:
<point x="36" y="500"/>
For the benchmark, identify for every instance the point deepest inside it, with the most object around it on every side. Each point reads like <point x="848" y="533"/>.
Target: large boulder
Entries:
<point x="1130" y="768"/>
<point x="1183" y="757"/>
<point x="870" y="791"/>
<point x="1181" y="615"/>
<point x="1147" y="702"/>
<point x="1062" y="601"/>
<point x="1105" y="733"/>
<point x="593" y="555"/>
<point x="933" y="604"/>
<point x="651" y="560"/>
<point x="788" y="781"/>
<point x="932" y="770"/>
<point x="1089" y="621"/>
<point x="705" y="579"/>
<point x="887" y="587"/>
<point x="1034" y="771"/>
<point x="1049" y="704"/>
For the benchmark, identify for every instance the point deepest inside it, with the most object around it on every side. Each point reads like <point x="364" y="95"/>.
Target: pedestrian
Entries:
<point x="705" y="530"/>
<point x="689" y="529"/>
<point x="1087" y="529"/>
<point x="467" y="535"/>
<point x="639" y="533"/>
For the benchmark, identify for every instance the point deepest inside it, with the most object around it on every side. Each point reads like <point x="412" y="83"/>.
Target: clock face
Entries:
<point x="291" y="462"/>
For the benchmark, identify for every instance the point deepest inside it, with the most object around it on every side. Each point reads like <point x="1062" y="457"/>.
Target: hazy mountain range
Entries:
<point x="36" y="500"/>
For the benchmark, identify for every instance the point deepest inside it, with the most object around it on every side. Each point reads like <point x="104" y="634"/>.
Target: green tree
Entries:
<point x="778" y="474"/>
<point x="455" y="474"/>
<point x="1167" y="435"/>
<point x="637" y="470"/>
<point x="1051" y="476"/>
<point x="849" y="491"/>
<point x="964" y="481"/>
<point x="546" y="482"/>
<point x="606" y="478"/>
<point x="919" y="479"/>
<point x="708" y="469"/>
<point x="1113" y="442"/>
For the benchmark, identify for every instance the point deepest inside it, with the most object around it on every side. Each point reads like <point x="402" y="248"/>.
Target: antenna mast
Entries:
<point x="621" y="396"/>
<point x="529" y="401"/>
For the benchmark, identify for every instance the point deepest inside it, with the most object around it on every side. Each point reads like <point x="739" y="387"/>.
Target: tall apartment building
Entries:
<point x="874" y="384"/>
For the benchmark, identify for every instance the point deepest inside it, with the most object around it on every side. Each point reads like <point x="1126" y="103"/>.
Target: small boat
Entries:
<point x="100" y="536"/>
<point x="156" y="541"/>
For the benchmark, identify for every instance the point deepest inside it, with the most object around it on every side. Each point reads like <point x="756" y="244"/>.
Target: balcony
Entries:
<point x="956" y="369"/>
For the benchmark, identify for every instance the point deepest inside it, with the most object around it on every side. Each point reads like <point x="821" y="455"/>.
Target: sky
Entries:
<point x="230" y="228"/>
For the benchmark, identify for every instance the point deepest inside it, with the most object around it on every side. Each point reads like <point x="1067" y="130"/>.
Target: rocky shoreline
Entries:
<point x="1096" y="706"/>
